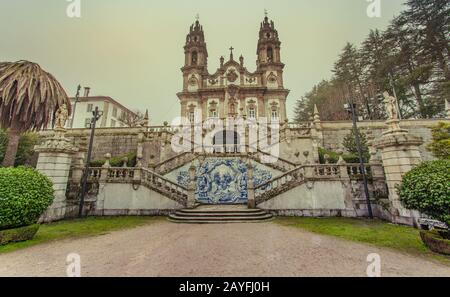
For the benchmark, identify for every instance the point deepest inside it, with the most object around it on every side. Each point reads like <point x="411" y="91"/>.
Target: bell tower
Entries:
<point x="268" y="44"/>
<point x="196" y="54"/>
<point x="196" y="57"/>
<point x="269" y="58"/>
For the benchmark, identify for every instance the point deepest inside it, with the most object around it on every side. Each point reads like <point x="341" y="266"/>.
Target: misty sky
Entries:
<point x="132" y="50"/>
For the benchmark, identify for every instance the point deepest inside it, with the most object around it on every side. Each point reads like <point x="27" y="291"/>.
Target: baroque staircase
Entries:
<point x="220" y="214"/>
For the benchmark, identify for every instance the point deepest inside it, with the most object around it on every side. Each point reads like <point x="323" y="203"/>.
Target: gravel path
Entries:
<point x="166" y="249"/>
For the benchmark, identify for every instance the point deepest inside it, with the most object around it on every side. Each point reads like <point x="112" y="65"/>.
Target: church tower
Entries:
<point x="268" y="52"/>
<point x="196" y="55"/>
<point x="232" y="91"/>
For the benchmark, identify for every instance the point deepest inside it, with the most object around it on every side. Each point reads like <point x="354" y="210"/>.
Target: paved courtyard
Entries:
<point x="166" y="249"/>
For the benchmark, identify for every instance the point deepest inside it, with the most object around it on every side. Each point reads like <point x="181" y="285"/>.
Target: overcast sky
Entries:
<point x="132" y="50"/>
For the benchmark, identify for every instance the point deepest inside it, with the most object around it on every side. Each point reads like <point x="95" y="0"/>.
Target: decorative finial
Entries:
<point x="266" y="13"/>
<point x="197" y="17"/>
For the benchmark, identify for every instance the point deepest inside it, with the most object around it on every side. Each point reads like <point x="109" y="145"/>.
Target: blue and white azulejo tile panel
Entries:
<point x="223" y="180"/>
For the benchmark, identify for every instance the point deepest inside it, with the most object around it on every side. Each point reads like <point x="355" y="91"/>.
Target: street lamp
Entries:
<point x="77" y="97"/>
<point x="351" y="108"/>
<point x="96" y="116"/>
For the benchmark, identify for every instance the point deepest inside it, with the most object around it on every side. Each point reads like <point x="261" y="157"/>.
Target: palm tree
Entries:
<point x="29" y="98"/>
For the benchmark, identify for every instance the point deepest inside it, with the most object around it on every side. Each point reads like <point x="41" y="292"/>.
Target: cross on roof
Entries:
<point x="266" y="13"/>
<point x="231" y="49"/>
<point x="197" y="17"/>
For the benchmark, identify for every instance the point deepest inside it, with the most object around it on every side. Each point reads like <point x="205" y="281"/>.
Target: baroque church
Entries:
<point x="233" y="91"/>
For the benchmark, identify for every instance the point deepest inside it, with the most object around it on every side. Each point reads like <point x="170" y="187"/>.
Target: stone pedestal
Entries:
<point x="55" y="159"/>
<point x="399" y="153"/>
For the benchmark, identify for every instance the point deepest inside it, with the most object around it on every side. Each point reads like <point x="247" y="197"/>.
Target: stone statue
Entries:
<point x="391" y="106"/>
<point x="61" y="117"/>
<point x="393" y="115"/>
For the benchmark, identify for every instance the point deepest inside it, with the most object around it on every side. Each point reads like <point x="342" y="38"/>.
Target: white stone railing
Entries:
<point x="174" y="162"/>
<point x="279" y="184"/>
<point x="276" y="162"/>
<point x="120" y="175"/>
<point x="140" y="176"/>
<point x="164" y="186"/>
<point x="302" y="174"/>
<point x="323" y="171"/>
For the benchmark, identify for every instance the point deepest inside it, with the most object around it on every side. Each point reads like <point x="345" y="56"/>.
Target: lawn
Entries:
<point x="80" y="228"/>
<point x="374" y="232"/>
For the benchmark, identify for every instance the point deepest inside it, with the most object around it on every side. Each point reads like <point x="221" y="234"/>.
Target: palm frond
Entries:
<point x="29" y="96"/>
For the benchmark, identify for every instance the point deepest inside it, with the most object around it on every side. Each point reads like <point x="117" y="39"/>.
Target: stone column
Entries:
<point x="250" y="186"/>
<point x="316" y="135"/>
<point x="55" y="160"/>
<point x="192" y="187"/>
<point x="399" y="153"/>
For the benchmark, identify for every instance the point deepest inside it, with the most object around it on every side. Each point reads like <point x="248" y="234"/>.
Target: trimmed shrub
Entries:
<point x="333" y="157"/>
<point x="426" y="188"/>
<point x="117" y="161"/>
<point x="18" y="234"/>
<point x="24" y="195"/>
<point x="440" y="146"/>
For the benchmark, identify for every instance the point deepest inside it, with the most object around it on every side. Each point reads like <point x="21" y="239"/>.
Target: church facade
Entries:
<point x="232" y="90"/>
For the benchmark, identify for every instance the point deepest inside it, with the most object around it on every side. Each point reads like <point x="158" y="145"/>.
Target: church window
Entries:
<point x="90" y="107"/>
<point x="274" y="115"/>
<point x="213" y="113"/>
<point x="269" y="54"/>
<point x="194" y="58"/>
<point x="191" y="117"/>
<point x="114" y="113"/>
<point x="252" y="113"/>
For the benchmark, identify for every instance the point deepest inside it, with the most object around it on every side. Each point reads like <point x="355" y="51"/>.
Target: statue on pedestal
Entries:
<point x="393" y="115"/>
<point x="61" y="117"/>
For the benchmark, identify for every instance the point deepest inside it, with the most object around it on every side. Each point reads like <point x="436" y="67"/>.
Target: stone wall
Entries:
<point x="124" y="199"/>
<point x="121" y="141"/>
<point x="335" y="132"/>
<point x="115" y="141"/>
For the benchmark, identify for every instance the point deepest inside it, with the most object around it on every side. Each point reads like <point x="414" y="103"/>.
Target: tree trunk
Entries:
<point x="11" y="149"/>
<point x="422" y="110"/>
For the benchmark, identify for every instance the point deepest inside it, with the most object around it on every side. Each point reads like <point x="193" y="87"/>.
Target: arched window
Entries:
<point x="274" y="115"/>
<point x="194" y="58"/>
<point x="252" y="113"/>
<point x="270" y="54"/>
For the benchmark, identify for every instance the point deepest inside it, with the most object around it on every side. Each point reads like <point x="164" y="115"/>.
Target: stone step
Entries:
<point x="209" y="214"/>
<point x="224" y="212"/>
<point x="219" y="219"/>
<point x="229" y="214"/>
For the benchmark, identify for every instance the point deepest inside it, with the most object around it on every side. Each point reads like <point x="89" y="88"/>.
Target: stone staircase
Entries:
<point x="220" y="214"/>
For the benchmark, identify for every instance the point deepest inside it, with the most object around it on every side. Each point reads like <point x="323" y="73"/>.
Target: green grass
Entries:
<point x="375" y="232"/>
<point x="79" y="228"/>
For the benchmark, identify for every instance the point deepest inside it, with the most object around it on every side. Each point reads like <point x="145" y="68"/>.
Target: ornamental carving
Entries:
<point x="232" y="75"/>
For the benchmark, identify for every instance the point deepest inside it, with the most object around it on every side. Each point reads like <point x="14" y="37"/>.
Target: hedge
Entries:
<point x="24" y="195"/>
<point x="426" y="188"/>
